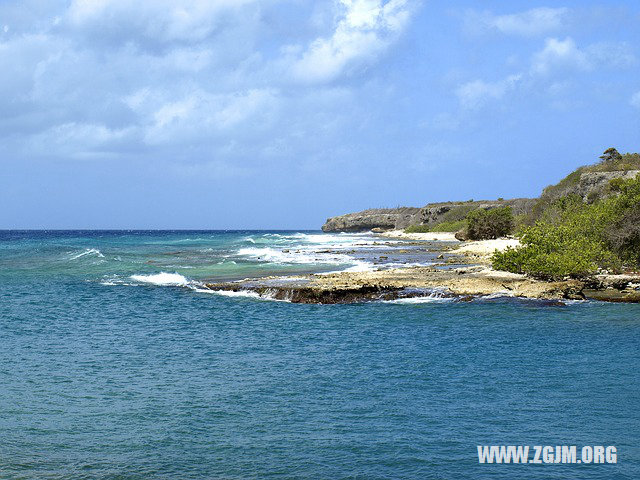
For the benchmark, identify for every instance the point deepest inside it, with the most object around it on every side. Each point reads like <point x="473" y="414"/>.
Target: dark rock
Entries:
<point x="613" y="295"/>
<point x="301" y="294"/>
<point x="462" y="235"/>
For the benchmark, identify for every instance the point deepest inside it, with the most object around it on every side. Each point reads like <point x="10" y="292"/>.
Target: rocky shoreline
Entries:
<point x="473" y="280"/>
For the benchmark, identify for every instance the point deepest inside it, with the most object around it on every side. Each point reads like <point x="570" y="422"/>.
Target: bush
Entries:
<point x="552" y="252"/>
<point x="610" y="161"/>
<point x="576" y="239"/>
<point x="417" y="229"/>
<point x="457" y="213"/>
<point x="624" y="236"/>
<point x="489" y="224"/>
<point x="449" y="226"/>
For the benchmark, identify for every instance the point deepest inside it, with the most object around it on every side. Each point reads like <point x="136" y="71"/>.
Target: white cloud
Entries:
<point x="565" y="54"/>
<point x="559" y="53"/>
<point x="162" y="21"/>
<point x="478" y="92"/>
<point x="610" y="54"/>
<point x="532" y="22"/>
<point x="202" y="114"/>
<point x="635" y="99"/>
<point x="554" y="59"/>
<point x="81" y="140"/>
<point x="365" y="29"/>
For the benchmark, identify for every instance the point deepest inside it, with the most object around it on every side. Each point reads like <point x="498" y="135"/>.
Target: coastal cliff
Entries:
<point x="380" y="218"/>
<point x="589" y="185"/>
<point x="402" y="217"/>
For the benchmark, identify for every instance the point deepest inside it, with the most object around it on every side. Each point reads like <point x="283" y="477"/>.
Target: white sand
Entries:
<point x="487" y="247"/>
<point x="430" y="236"/>
<point x="483" y="248"/>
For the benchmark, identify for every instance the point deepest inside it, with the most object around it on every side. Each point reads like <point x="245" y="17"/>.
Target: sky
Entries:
<point x="276" y="114"/>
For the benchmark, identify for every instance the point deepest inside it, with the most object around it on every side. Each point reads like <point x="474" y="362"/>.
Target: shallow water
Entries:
<point x="108" y="376"/>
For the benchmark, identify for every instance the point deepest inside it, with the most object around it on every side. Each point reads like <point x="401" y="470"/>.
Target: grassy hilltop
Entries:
<point x="567" y="234"/>
<point x="589" y="222"/>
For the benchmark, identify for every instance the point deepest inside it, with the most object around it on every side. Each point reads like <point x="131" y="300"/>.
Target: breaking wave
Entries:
<point x="87" y="251"/>
<point x="301" y="256"/>
<point x="163" y="279"/>
<point x="435" y="296"/>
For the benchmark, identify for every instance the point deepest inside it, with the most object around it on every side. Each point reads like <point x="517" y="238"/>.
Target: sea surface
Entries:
<point x="116" y="364"/>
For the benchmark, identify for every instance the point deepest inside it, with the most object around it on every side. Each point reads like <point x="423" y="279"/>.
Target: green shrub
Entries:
<point x="624" y="236"/>
<point x="417" y="229"/>
<point x="457" y="213"/>
<point x="615" y="184"/>
<point x="611" y="161"/>
<point x="553" y="252"/>
<point x="488" y="224"/>
<point x="449" y="226"/>
<point x="576" y="239"/>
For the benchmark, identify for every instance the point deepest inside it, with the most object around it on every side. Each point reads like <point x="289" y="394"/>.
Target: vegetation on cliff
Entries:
<point x="576" y="238"/>
<point x="610" y="161"/>
<point x="476" y="223"/>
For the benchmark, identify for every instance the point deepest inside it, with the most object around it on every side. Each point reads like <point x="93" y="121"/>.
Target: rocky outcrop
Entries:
<point x="352" y="287"/>
<point x="434" y="213"/>
<point x="378" y="218"/>
<point x="593" y="185"/>
<point x="400" y="218"/>
<point x="588" y="184"/>
<point x="462" y="284"/>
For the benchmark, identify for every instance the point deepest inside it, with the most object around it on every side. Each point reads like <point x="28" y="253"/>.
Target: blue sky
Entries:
<point x="280" y="113"/>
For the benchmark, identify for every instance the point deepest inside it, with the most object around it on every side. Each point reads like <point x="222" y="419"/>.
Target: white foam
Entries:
<point x="87" y="251"/>
<point x="305" y="256"/>
<point x="498" y="294"/>
<point x="163" y="278"/>
<point x="437" y="296"/>
<point x="274" y="255"/>
<point x="415" y="300"/>
<point x="239" y="294"/>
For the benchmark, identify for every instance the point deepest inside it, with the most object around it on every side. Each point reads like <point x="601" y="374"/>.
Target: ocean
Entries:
<point x="116" y="364"/>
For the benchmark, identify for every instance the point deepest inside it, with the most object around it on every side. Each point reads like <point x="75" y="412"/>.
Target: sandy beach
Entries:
<point x="429" y="236"/>
<point x="485" y="248"/>
<point x="478" y="248"/>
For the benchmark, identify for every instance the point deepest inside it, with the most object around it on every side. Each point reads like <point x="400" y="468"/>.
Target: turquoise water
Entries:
<point x="109" y="370"/>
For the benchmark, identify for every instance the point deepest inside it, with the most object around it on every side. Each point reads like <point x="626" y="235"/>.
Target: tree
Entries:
<point x="487" y="224"/>
<point x="611" y="155"/>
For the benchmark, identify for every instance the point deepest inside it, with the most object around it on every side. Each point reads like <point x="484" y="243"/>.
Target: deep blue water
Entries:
<point x="106" y="377"/>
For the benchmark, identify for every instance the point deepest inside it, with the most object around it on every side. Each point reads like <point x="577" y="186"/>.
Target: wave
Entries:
<point x="273" y="255"/>
<point x="435" y="296"/>
<point x="417" y="300"/>
<point x="87" y="251"/>
<point x="303" y="256"/>
<point x="163" y="279"/>
<point x="240" y="294"/>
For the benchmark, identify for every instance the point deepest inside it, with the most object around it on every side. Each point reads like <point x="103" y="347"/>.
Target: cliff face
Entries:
<point x="383" y="218"/>
<point x="590" y="185"/>
<point x="593" y="184"/>
<point x="401" y="218"/>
